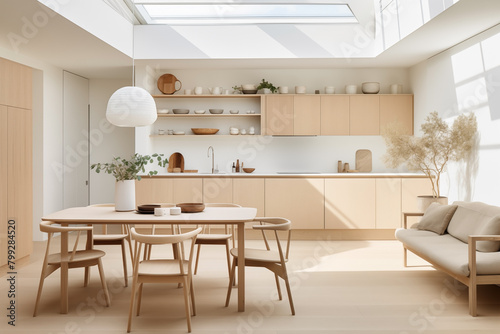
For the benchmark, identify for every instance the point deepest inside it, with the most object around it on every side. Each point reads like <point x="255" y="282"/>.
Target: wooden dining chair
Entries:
<point x="274" y="260"/>
<point x="69" y="258"/>
<point x="206" y="237"/>
<point x="163" y="270"/>
<point x="107" y="238"/>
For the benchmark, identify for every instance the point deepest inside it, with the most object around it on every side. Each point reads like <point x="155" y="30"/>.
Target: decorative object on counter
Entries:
<point x="162" y="111"/>
<point x="234" y="112"/>
<point x="170" y="132"/>
<point x="237" y="165"/>
<point x="251" y="131"/>
<point x="430" y="153"/>
<point x="167" y="82"/>
<point x="370" y="87"/>
<point x="237" y="90"/>
<point x="329" y="90"/>
<point x="266" y="87"/>
<point x="216" y="111"/>
<point x="396" y="89"/>
<point x="243" y="131"/>
<point x="160" y="211"/>
<point x="176" y="161"/>
<point x="161" y="132"/>
<point x="364" y="161"/>
<point x="191" y="207"/>
<point x="148" y="208"/>
<point x="351" y="89"/>
<point x="204" y="131"/>
<point x="199" y="112"/>
<point x="316" y="91"/>
<point x="198" y="90"/>
<point x="248" y="170"/>
<point x="234" y="131"/>
<point x="283" y="89"/>
<point x="340" y="168"/>
<point x="177" y="170"/>
<point x="300" y="89"/>
<point x="248" y="87"/>
<point x="180" y="111"/>
<point x="233" y="169"/>
<point x="188" y="91"/>
<point x="175" y="211"/>
<point x="178" y="133"/>
<point x="126" y="171"/>
<point x="216" y="90"/>
<point x="346" y="167"/>
<point x="250" y="111"/>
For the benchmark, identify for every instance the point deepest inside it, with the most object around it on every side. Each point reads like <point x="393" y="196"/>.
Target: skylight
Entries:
<point x="242" y="12"/>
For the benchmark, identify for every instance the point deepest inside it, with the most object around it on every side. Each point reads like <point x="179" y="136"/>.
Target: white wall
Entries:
<point x="267" y="154"/>
<point x="106" y="140"/>
<point x="466" y="78"/>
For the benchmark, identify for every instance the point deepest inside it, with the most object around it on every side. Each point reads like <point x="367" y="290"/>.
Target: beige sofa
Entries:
<point x="462" y="239"/>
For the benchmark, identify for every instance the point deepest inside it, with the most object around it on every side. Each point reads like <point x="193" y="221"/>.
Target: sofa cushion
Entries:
<point x="437" y="217"/>
<point x="448" y="252"/>
<point x="475" y="218"/>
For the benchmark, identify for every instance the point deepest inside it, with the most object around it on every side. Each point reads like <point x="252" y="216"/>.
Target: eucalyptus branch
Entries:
<point x="129" y="169"/>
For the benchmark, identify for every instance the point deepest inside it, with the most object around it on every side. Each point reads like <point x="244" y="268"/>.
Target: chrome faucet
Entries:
<point x="213" y="155"/>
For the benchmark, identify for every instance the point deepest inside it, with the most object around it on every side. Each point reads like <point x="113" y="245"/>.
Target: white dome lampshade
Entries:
<point x="130" y="107"/>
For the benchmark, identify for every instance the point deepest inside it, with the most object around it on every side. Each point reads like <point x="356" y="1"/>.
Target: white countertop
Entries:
<point x="293" y="175"/>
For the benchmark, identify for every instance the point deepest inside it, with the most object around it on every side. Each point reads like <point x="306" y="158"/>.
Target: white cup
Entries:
<point x="175" y="211"/>
<point x="198" y="90"/>
<point x="300" y="89"/>
<point x="351" y="89"/>
<point x="396" y="89"/>
<point x="188" y="92"/>
<point x="283" y="90"/>
<point x="160" y="211"/>
<point x="329" y="90"/>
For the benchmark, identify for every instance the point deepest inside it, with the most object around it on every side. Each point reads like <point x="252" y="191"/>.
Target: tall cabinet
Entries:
<point x="16" y="180"/>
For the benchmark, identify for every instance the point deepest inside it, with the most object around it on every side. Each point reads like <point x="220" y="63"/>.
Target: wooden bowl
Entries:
<point x="191" y="207"/>
<point x="248" y="170"/>
<point x="204" y="131"/>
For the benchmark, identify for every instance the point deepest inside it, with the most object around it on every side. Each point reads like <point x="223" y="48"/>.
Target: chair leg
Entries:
<point x="86" y="277"/>
<point x="228" y="256"/>
<point x="124" y="259"/>
<point x="132" y="300"/>
<point x="197" y="258"/>
<point x="139" y="299"/>
<point x="231" y="280"/>
<point x="289" y="292"/>
<point x="191" y="289"/>
<point x="276" y="278"/>
<point x="472" y="299"/>
<point x="103" y="282"/>
<point x="40" y="287"/>
<point x="186" y="304"/>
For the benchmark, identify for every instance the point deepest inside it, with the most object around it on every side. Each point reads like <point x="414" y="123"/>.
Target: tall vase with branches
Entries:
<point x="430" y="153"/>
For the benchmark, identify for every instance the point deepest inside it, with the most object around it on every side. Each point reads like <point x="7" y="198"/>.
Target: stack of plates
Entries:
<point x="147" y="208"/>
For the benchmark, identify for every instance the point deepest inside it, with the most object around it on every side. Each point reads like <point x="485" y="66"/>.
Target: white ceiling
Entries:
<point x="63" y="44"/>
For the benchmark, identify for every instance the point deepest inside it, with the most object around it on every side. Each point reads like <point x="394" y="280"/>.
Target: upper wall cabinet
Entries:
<point x="335" y="115"/>
<point x="397" y="109"/>
<point x="15" y="84"/>
<point x="279" y="118"/>
<point x="364" y="115"/>
<point x="306" y="115"/>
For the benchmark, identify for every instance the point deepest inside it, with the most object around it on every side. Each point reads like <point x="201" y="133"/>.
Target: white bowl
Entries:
<point x="162" y="111"/>
<point x="234" y="111"/>
<point x="200" y="111"/>
<point x="370" y="87"/>
<point x="248" y="87"/>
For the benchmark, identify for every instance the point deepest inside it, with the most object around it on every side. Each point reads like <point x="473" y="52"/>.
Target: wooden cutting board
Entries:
<point x="176" y="160"/>
<point x="364" y="161"/>
<point x="166" y="84"/>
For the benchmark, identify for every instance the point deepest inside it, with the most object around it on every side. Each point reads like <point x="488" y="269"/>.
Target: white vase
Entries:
<point x="125" y="195"/>
<point x="423" y="202"/>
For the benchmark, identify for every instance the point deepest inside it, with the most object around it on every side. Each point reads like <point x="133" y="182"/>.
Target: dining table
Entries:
<point x="91" y="215"/>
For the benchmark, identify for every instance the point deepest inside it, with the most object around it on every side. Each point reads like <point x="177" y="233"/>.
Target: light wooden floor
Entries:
<point x="338" y="287"/>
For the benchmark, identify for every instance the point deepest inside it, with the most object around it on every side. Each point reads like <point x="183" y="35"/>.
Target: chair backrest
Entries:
<point x="48" y="227"/>
<point x="275" y="224"/>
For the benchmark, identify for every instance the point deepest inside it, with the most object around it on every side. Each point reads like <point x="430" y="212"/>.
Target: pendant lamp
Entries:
<point x="130" y="107"/>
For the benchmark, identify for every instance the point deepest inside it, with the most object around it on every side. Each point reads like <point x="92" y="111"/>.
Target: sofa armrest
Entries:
<point x="472" y="240"/>
<point x="410" y="214"/>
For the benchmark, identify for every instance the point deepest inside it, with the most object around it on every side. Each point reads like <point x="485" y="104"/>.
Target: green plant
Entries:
<point x="128" y="169"/>
<point x="237" y="89"/>
<point x="430" y="153"/>
<point x="266" y="84"/>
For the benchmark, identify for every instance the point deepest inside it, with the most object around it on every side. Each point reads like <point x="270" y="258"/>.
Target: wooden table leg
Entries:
<point x="64" y="273"/>
<point x="241" y="267"/>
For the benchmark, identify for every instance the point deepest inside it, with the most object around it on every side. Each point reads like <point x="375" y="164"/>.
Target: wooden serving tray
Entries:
<point x="166" y="84"/>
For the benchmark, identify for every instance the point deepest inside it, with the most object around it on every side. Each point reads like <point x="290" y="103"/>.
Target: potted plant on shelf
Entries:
<point x="430" y="153"/>
<point x="126" y="171"/>
<point x="267" y="87"/>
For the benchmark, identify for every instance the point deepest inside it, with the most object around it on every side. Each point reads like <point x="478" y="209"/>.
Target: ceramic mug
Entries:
<point x="283" y="90"/>
<point x="188" y="91"/>
<point x="300" y="89"/>
<point x="198" y="90"/>
<point x="396" y="89"/>
<point x="351" y="89"/>
<point x="329" y="90"/>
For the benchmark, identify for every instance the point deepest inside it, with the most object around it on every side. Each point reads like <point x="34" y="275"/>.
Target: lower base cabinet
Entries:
<point x="250" y="193"/>
<point x="300" y="200"/>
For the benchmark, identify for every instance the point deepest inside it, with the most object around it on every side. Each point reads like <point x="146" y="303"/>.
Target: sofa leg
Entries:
<point x="473" y="299"/>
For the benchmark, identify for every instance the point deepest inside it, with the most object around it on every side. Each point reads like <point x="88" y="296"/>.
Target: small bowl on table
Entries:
<point x="191" y="207"/>
<point x="248" y="170"/>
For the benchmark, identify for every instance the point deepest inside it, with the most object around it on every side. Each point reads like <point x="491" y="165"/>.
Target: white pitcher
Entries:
<point x="216" y="90"/>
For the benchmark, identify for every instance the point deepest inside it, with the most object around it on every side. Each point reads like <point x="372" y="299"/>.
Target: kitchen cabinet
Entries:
<point x="244" y="103"/>
<point x="350" y="203"/>
<point x="300" y="200"/>
<point x="397" y="109"/>
<point x="306" y="115"/>
<point x="364" y="115"/>
<point x="149" y="190"/>
<point x="188" y="190"/>
<point x="279" y="115"/>
<point x="334" y="115"/>
<point x="218" y="190"/>
<point x="249" y="192"/>
<point x="4" y="177"/>
<point x="388" y="203"/>
<point x="410" y="189"/>
<point x="15" y="84"/>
